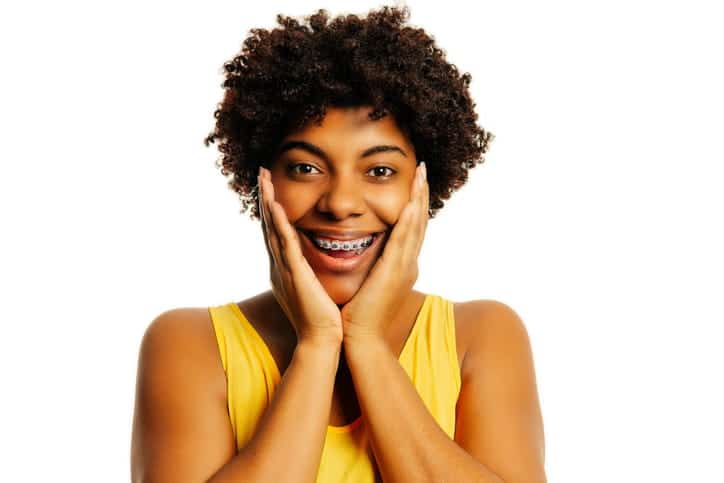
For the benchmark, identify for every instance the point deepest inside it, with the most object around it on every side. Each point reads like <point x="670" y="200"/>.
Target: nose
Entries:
<point x="342" y="198"/>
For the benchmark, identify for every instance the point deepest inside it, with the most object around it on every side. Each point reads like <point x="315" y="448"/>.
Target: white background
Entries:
<point x="597" y="216"/>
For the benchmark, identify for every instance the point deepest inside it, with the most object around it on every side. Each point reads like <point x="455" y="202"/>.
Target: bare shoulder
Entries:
<point x="499" y="416"/>
<point x="486" y="322"/>
<point x="184" y="336"/>
<point x="177" y="322"/>
<point x="181" y="430"/>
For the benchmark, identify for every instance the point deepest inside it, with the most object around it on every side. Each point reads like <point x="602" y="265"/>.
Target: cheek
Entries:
<point x="295" y="201"/>
<point x="388" y="204"/>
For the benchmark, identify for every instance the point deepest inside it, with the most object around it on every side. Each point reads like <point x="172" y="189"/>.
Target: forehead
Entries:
<point x="349" y="128"/>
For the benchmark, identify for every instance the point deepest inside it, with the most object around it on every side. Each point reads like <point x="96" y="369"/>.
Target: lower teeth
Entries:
<point x="356" y="252"/>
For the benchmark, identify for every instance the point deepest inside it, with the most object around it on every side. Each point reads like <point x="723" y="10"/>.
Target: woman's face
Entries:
<point x="344" y="180"/>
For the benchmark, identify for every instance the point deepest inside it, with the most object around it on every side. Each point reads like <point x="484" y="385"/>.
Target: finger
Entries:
<point x="424" y="207"/>
<point x="412" y="245"/>
<point x="273" y="242"/>
<point x="400" y="234"/>
<point x="263" y="216"/>
<point x="291" y="246"/>
<point x="262" y="212"/>
<point x="279" y="273"/>
<point x="275" y="214"/>
<point x="274" y="267"/>
<point x="407" y="216"/>
<point x="290" y="243"/>
<point x="278" y="218"/>
<point x="274" y="221"/>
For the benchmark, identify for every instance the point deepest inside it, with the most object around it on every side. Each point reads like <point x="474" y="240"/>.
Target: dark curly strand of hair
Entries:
<point x="284" y="78"/>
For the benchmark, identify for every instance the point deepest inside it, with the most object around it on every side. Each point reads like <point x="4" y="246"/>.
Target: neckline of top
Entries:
<point x="334" y="429"/>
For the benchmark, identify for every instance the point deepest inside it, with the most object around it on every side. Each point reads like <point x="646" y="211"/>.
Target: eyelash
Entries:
<point x="293" y="167"/>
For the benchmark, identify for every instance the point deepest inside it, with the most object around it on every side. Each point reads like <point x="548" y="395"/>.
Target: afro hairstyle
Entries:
<point x="286" y="77"/>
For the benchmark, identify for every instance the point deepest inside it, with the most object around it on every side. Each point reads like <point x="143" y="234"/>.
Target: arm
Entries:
<point x="181" y="428"/>
<point x="407" y="442"/>
<point x="499" y="420"/>
<point x="499" y="429"/>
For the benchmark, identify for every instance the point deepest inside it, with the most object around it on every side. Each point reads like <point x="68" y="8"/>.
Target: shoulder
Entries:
<point x="178" y="322"/>
<point x="490" y="327"/>
<point x="176" y="340"/>
<point x="174" y="326"/>
<point x="499" y="416"/>
<point x="181" y="429"/>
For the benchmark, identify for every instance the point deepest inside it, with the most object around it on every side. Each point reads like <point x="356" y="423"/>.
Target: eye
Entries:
<point x="302" y="168"/>
<point x="381" y="172"/>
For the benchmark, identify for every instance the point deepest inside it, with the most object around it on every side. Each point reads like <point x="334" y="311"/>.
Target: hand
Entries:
<point x="313" y="314"/>
<point x="376" y="303"/>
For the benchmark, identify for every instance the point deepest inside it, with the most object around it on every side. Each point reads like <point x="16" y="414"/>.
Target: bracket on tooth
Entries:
<point x="335" y="245"/>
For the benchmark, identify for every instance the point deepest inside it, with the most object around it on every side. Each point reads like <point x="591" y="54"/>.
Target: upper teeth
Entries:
<point x="344" y="244"/>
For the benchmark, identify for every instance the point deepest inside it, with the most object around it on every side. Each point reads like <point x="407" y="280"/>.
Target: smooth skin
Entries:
<point x="340" y="334"/>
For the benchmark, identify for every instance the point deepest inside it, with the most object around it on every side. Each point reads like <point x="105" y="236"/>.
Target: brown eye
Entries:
<point x="302" y="168"/>
<point x="381" y="172"/>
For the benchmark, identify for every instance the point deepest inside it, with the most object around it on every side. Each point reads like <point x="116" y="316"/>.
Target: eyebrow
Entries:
<point x="317" y="151"/>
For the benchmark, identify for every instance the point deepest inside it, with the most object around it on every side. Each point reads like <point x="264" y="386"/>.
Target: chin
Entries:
<point x="340" y="289"/>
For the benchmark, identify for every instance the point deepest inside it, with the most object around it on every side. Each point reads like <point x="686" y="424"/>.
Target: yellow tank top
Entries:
<point x="429" y="357"/>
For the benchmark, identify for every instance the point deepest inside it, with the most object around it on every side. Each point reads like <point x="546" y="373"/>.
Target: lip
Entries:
<point x="320" y="261"/>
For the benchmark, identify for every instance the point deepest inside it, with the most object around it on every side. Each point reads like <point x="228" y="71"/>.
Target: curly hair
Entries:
<point x="284" y="78"/>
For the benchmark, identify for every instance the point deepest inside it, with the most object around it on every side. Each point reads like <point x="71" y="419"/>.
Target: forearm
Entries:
<point x="287" y="444"/>
<point x="408" y="443"/>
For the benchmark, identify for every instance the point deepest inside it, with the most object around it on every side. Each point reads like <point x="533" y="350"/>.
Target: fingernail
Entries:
<point x="424" y="170"/>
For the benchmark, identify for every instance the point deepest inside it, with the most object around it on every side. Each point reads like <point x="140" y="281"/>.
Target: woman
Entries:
<point x="343" y="138"/>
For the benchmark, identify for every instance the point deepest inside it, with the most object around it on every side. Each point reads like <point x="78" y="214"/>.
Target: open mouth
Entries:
<point x="342" y="248"/>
